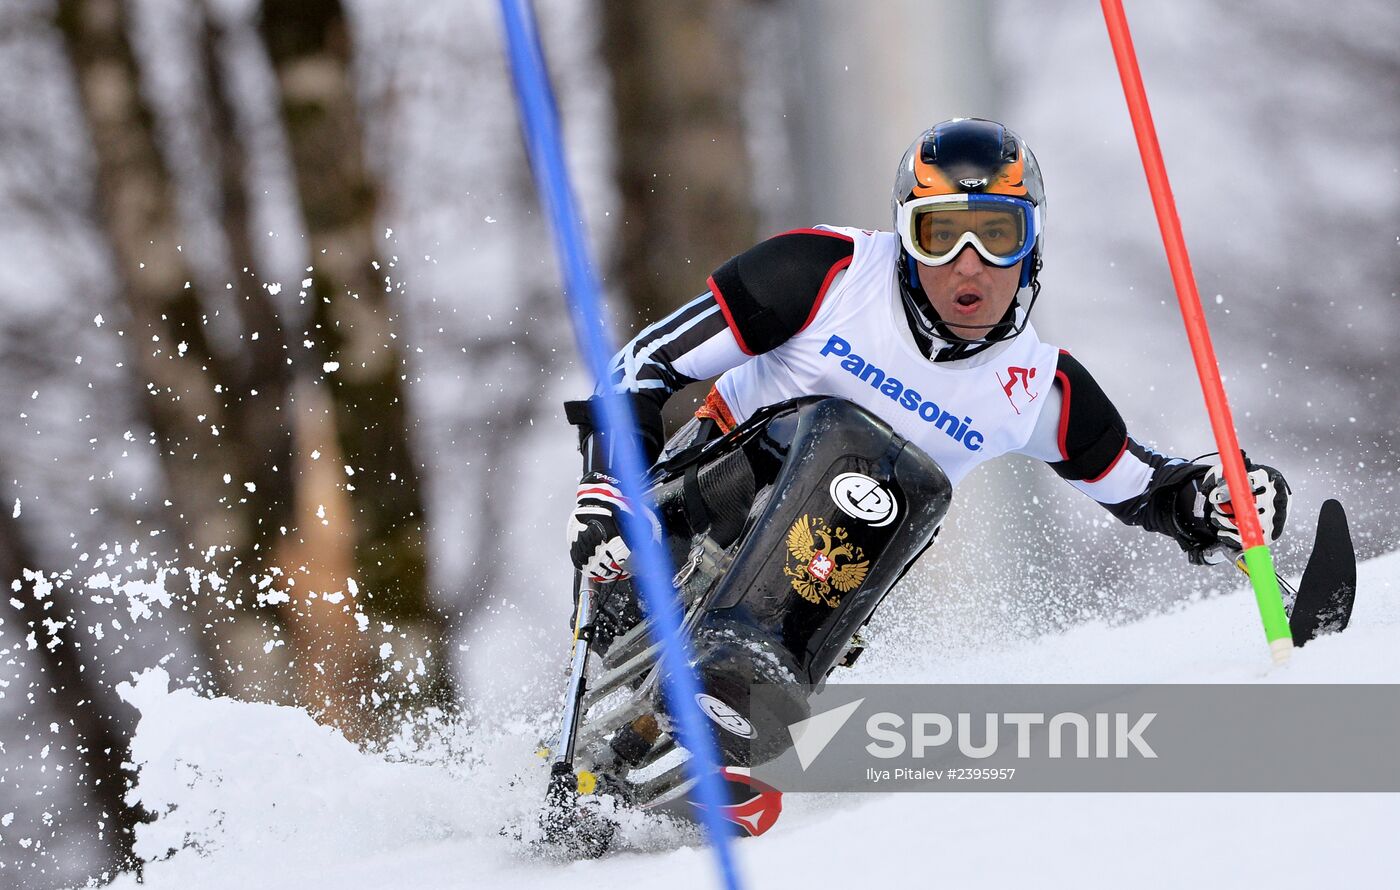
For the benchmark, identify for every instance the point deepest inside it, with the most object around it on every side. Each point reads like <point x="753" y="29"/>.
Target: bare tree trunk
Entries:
<point x="334" y="677"/>
<point x="353" y="323"/>
<point x="279" y="425"/>
<point x="170" y="353"/>
<point x="73" y="692"/>
<point x="683" y="166"/>
<point x="261" y="421"/>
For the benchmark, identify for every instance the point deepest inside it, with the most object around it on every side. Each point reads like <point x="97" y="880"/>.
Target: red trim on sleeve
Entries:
<point x="816" y="232"/>
<point x="1063" y="379"/>
<point x="836" y="267"/>
<point x="831" y="273"/>
<point x="826" y="283"/>
<point x="728" y="318"/>
<point x="1121" y="451"/>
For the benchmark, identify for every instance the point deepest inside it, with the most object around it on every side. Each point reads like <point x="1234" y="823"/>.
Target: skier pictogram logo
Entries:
<point x="1017" y="386"/>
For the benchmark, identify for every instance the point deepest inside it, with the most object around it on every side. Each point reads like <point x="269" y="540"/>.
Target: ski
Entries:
<point x="1323" y="601"/>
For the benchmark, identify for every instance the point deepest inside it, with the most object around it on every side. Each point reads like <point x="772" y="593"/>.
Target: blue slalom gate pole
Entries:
<point x="613" y="413"/>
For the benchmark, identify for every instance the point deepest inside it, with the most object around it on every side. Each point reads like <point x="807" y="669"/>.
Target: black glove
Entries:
<point x="596" y="543"/>
<point x="1211" y="516"/>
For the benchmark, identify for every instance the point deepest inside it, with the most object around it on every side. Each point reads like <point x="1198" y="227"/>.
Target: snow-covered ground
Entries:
<point x="252" y="795"/>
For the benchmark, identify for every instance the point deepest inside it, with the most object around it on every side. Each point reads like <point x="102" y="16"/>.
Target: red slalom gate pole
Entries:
<point x="1258" y="560"/>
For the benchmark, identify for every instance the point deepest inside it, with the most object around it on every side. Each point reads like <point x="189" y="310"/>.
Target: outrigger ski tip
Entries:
<point x="1328" y="589"/>
<point x="573" y="824"/>
<point x="1324" y="598"/>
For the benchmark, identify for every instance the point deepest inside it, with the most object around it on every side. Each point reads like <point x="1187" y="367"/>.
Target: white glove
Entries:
<point x="596" y="543"/>
<point x="1215" y="512"/>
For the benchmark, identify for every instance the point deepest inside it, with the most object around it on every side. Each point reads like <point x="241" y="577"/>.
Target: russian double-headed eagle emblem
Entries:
<point x="822" y="563"/>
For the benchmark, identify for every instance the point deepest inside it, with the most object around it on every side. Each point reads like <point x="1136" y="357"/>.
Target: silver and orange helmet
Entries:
<point x="968" y="182"/>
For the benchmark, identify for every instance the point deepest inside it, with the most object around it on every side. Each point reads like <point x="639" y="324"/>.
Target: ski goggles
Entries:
<point x="1000" y="228"/>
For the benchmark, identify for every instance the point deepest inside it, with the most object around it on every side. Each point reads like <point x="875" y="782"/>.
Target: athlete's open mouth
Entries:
<point x="968" y="302"/>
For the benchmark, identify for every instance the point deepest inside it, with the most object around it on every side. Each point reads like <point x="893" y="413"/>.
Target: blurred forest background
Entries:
<point x="282" y="349"/>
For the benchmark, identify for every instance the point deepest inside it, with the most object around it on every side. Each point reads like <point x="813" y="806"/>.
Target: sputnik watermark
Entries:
<point x="1112" y="735"/>
<point x="1210" y="737"/>
<point x="1068" y="734"/>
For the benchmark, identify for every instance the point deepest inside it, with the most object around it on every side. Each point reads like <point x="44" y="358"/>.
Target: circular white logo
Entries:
<point x="729" y="720"/>
<point x="861" y="497"/>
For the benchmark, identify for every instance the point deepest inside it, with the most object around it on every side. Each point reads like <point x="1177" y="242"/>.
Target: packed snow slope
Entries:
<point x="251" y="795"/>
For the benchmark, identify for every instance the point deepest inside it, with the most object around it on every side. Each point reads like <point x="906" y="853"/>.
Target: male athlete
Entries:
<point x="928" y="327"/>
